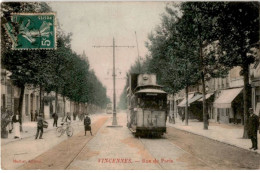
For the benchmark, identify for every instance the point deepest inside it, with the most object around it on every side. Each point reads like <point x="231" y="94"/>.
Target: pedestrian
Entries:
<point x="218" y="118"/>
<point x="253" y="124"/>
<point x="35" y="115"/>
<point x="10" y="125"/>
<point x="32" y="117"/>
<point x="87" y="124"/>
<point x="17" y="122"/>
<point x="55" y="119"/>
<point x="39" y="126"/>
<point x="74" y="116"/>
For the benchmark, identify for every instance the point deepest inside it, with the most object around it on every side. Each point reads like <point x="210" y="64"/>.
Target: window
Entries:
<point x="257" y="98"/>
<point x="227" y="112"/>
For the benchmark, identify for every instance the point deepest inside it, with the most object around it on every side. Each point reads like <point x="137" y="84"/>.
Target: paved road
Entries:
<point x="116" y="148"/>
<point x="217" y="155"/>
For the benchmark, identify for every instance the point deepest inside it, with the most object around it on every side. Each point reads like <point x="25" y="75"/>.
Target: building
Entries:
<point x="31" y="101"/>
<point x="228" y="102"/>
<point x="223" y="96"/>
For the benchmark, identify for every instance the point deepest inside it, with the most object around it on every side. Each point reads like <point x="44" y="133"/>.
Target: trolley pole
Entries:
<point x="114" y="122"/>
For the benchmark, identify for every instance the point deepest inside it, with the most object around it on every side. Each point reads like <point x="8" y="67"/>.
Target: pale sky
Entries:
<point x="96" y="23"/>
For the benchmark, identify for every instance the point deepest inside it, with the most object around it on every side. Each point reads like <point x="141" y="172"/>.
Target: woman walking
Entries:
<point x="17" y="122"/>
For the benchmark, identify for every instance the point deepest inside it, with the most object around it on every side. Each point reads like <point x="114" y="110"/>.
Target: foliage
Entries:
<point x="60" y="70"/>
<point x="238" y="34"/>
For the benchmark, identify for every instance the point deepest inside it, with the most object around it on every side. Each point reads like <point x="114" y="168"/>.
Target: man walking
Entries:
<point x="253" y="124"/>
<point x="39" y="126"/>
<point x="87" y="124"/>
<point x="55" y="119"/>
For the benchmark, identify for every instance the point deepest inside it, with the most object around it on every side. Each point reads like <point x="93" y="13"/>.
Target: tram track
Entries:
<point x="62" y="155"/>
<point x="139" y="138"/>
<point x="82" y="149"/>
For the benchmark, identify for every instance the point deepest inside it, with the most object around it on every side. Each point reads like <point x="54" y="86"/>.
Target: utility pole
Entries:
<point x="139" y="62"/>
<point x="114" y="122"/>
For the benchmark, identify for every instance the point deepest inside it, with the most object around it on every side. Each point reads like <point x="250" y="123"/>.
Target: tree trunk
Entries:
<point x="41" y="109"/>
<point x="64" y="108"/>
<point x="56" y="100"/>
<point x="186" y="107"/>
<point x="20" y="106"/>
<point x="246" y="97"/>
<point x="204" y="103"/>
<point x="205" y="110"/>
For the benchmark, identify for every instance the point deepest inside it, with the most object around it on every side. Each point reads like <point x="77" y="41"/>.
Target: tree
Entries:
<point x="20" y="63"/>
<point x="237" y="29"/>
<point x="184" y="48"/>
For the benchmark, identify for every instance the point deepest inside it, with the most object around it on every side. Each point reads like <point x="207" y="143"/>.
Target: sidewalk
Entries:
<point x="29" y="130"/>
<point x="227" y="133"/>
<point x="16" y="152"/>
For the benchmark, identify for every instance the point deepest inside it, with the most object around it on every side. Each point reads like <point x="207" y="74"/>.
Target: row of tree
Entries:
<point x="61" y="70"/>
<point x="197" y="41"/>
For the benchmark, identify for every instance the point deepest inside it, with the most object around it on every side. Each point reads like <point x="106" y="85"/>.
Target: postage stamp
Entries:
<point x="34" y="31"/>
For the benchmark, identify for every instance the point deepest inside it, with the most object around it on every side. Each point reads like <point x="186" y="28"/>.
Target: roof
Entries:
<point x="226" y="97"/>
<point x="150" y="90"/>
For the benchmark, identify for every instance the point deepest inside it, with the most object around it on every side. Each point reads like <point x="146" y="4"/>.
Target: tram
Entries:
<point x="147" y="105"/>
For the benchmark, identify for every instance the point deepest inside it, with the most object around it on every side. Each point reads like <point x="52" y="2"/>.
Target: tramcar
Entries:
<point x="147" y="105"/>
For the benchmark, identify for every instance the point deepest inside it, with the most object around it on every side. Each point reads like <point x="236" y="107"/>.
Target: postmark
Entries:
<point x="32" y="31"/>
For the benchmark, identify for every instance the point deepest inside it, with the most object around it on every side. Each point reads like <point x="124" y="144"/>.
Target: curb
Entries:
<point x="256" y="152"/>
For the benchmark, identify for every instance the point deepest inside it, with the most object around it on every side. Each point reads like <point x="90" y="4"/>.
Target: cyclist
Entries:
<point x="66" y="120"/>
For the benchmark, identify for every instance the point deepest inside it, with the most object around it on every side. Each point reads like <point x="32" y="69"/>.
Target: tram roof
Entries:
<point x="151" y="90"/>
<point x="148" y="86"/>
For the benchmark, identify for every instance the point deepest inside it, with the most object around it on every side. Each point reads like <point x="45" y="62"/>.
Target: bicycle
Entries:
<point x="64" y="127"/>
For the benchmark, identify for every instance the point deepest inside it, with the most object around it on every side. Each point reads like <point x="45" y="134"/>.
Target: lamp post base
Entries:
<point x="114" y="122"/>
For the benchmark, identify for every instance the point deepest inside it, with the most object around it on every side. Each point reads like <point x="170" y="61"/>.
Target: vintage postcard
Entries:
<point x="130" y="85"/>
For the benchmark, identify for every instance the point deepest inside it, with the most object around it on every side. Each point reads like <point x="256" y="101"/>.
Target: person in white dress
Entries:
<point x="17" y="123"/>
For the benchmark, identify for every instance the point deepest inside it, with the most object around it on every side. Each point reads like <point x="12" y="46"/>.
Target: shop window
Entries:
<point x="227" y="112"/>
<point x="218" y="111"/>
<point x="257" y="98"/>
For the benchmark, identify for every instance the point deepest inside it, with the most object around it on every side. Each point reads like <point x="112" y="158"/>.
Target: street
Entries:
<point x="116" y="148"/>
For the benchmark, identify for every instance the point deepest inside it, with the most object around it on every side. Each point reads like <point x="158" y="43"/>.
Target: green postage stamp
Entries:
<point x="32" y="31"/>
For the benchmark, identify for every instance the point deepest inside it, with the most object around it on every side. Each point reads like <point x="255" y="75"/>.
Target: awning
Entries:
<point x="151" y="91"/>
<point x="191" y="98"/>
<point x="207" y="96"/>
<point x="226" y="97"/>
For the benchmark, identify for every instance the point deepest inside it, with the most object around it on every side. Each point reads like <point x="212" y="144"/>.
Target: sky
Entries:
<point x="97" y="23"/>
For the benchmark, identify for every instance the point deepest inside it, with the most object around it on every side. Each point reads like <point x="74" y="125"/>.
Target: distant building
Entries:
<point x="223" y="97"/>
<point x="31" y="101"/>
